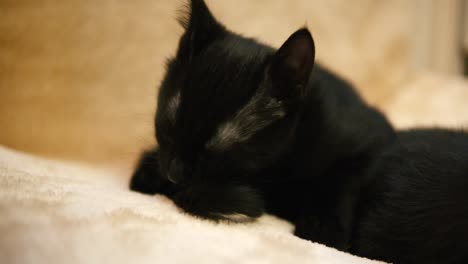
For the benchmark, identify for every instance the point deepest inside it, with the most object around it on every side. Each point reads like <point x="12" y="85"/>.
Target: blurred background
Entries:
<point x="79" y="78"/>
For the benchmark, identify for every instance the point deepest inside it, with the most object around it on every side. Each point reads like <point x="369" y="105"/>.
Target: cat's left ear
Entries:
<point x="292" y="64"/>
<point x="201" y="29"/>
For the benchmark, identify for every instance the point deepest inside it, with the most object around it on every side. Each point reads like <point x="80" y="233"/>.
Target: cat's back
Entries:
<point x="333" y="87"/>
<point x="436" y="155"/>
<point x="417" y="206"/>
<point x="348" y="125"/>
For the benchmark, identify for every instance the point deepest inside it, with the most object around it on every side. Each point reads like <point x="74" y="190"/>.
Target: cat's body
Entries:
<point x="244" y="128"/>
<point x="415" y="207"/>
<point x="322" y="173"/>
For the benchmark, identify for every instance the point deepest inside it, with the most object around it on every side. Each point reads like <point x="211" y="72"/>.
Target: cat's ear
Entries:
<point x="291" y="65"/>
<point x="201" y="28"/>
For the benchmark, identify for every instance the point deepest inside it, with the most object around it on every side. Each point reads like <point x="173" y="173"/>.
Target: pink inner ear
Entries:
<point x="298" y="54"/>
<point x="292" y="64"/>
<point x="299" y="49"/>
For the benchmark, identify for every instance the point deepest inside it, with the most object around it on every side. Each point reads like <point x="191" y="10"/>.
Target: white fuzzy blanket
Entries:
<point x="53" y="212"/>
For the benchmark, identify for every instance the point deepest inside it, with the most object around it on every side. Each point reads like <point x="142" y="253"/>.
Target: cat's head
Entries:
<point x="227" y="108"/>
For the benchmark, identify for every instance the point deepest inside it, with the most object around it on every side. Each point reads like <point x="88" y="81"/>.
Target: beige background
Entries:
<point x="78" y="78"/>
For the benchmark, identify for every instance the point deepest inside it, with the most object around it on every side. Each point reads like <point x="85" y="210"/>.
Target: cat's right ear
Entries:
<point x="292" y="64"/>
<point x="201" y="28"/>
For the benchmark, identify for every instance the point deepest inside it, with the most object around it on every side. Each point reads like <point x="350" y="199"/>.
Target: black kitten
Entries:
<point x="244" y="128"/>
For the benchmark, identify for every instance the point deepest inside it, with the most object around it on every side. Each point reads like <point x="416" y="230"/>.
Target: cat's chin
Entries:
<point x="221" y="202"/>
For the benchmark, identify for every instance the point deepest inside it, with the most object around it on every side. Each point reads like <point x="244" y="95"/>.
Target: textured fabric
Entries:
<point x="53" y="212"/>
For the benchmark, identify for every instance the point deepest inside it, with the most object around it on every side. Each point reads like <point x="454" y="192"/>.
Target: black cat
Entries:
<point x="245" y="129"/>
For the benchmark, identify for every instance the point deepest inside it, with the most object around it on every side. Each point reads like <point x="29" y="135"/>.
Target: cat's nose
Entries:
<point x="175" y="171"/>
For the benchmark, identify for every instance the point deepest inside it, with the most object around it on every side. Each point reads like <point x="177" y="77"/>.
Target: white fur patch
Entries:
<point x="172" y="106"/>
<point x="258" y="113"/>
<point x="238" y="218"/>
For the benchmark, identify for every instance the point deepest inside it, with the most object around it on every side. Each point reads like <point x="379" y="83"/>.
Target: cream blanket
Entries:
<point x="53" y="212"/>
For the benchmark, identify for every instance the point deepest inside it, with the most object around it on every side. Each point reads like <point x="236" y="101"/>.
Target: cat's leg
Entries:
<point x="228" y="202"/>
<point x="219" y="201"/>
<point x="147" y="177"/>
<point x="326" y="230"/>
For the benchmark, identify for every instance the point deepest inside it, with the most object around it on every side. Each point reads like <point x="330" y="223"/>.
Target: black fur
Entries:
<point x="244" y="128"/>
<point x="414" y="208"/>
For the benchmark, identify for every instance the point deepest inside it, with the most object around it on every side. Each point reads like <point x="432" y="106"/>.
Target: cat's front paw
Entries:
<point x="147" y="178"/>
<point x="324" y="231"/>
<point x="221" y="202"/>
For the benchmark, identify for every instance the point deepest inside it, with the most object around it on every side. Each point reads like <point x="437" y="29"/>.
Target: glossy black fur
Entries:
<point x="415" y="206"/>
<point x="325" y="161"/>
